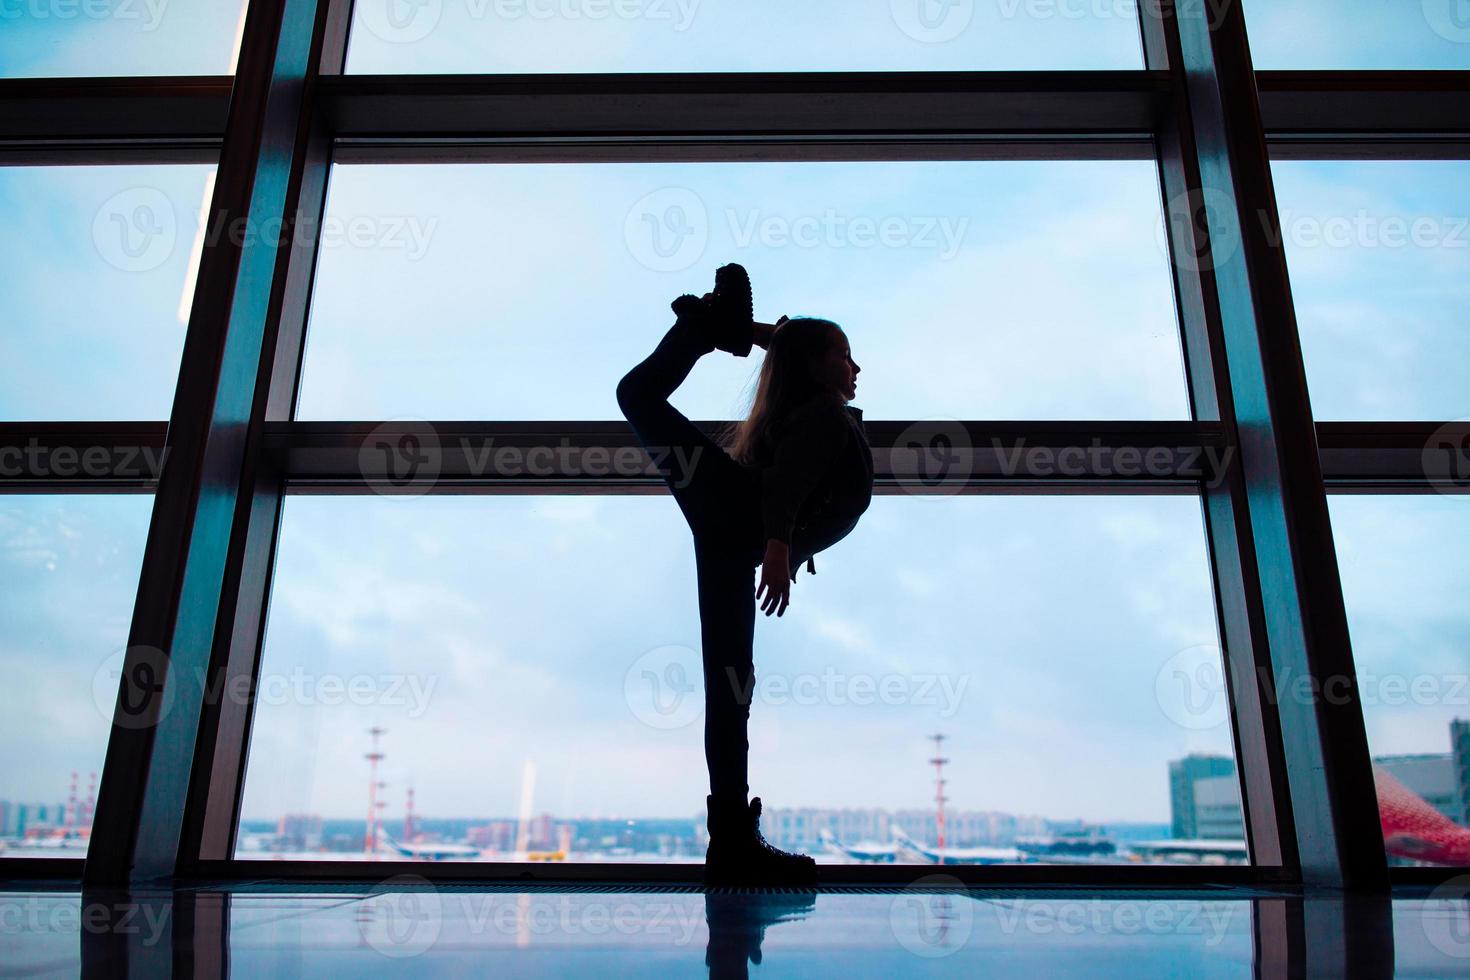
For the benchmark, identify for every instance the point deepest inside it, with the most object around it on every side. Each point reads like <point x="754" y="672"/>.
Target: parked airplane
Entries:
<point x="957" y="855"/>
<point x="68" y="842"/>
<point x="867" y="852"/>
<point x="430" y="851"/>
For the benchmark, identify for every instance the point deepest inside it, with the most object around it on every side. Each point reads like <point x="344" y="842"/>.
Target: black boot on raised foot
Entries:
<point x="739" y="855"/>
<point x="732" y="310"/>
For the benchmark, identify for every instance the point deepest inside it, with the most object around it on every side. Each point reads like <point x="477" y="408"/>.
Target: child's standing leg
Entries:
<point x="719" y="499"/>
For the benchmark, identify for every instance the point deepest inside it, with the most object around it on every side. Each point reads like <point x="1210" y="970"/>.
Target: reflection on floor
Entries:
<point x="404" y="925"/>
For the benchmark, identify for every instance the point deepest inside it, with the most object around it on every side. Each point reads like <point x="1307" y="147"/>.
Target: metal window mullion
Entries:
<point x="217" y="789"/>
<point x="1245" y="661"/>
<point x="204" y="492"/>
<point x="215" y="797"/>
<point x="1275" y="528"/>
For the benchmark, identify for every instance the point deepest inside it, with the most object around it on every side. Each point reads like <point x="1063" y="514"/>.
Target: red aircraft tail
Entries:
<point x="1413" y="829"/>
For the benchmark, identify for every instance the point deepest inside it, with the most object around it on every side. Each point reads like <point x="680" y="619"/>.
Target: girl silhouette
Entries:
<point x="790" y="480"/>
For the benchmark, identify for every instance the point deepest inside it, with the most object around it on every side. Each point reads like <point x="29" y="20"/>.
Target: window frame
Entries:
<point x="169" y="795"/>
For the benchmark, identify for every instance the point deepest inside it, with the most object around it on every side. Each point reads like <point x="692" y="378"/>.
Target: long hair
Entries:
<point x="787" y="381"/>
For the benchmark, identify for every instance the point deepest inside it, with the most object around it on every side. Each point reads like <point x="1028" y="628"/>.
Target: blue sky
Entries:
<point x="533" y="273"/>
<point x="130" y="37"/>
<point x="512" y="292"/>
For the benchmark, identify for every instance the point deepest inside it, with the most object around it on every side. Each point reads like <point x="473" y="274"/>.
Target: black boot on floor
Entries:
<point x="739" y="855"/>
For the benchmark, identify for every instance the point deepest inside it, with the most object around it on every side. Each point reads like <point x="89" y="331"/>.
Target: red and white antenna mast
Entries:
<point x="408" y="818"/>
<point x="370" y="841"/>
<point x="91" y="806"/>
<point x="938" y="761"/>
<point x="71" y="803"/>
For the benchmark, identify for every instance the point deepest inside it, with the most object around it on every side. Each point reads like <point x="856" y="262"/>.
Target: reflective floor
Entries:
<point x="406" y="927"/>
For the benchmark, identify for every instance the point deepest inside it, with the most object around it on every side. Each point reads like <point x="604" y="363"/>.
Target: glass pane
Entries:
<point x="1405" y="562"/>
<point x="68" y="578"/>
<point x="533" y="665"/>
<point x="1358" y="33"/>
<point x="968" y="289"/>
<point x="100" y="267"/>
<point x="1379" y="255"/>
<point x="503" y="36"/>
<point x="60" y="38"/>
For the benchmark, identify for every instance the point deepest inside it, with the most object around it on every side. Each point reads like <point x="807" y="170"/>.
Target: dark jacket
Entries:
<point x="817" y="479"/>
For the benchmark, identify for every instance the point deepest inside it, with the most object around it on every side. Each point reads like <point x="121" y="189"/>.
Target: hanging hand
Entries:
<point x="776" y="578"/>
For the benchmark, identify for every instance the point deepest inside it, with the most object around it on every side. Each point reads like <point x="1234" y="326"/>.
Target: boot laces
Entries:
<point x="765" y="846"/>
